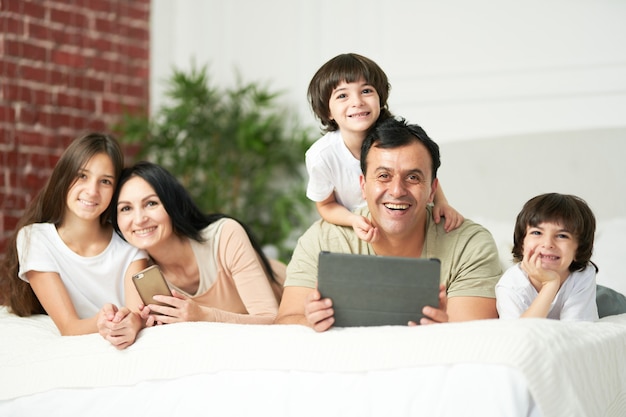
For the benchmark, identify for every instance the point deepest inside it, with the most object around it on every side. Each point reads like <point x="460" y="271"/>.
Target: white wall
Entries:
<point x="462" y="69"/>
<point x="524" y="97"/>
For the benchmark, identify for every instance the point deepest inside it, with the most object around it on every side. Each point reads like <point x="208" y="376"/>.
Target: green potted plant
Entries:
<point x="234" y="149"/>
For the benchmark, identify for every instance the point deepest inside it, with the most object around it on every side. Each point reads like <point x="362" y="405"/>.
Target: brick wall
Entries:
<point x="66" y="67"/>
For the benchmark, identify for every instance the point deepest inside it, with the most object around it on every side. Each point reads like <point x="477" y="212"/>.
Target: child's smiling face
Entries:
<point x="354" y="106"/>
<point x="556" y="246"/>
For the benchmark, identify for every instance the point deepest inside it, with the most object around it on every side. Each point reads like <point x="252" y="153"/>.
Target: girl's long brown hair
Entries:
<point x="49" y="207"/>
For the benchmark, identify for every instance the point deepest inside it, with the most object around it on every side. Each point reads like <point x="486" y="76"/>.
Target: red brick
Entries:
<point x="70" y="59"/>
<point x="14" y="25"/>
<point x="69" y="18"/>
<point x="97" y="125"/>
<point x="27" y="8"/>
<point x="6" y="136"/>
<point x="7" y="113"/>
<point x="25" y="49"/>
<point x="101" y="76"/>
<point x="10" y="222"/>
<point x="33" y="73"/>
<point x="9" y="69"/>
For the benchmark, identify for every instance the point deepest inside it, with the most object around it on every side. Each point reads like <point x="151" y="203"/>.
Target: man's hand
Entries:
<point x="318" y="312"/>
<point x="436" y="315"/>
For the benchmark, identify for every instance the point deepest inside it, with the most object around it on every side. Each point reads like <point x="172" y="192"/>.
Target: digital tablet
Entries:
<point x="369" y="290"/>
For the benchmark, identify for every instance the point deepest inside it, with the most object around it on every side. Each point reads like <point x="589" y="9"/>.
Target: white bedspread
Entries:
<point x="572" y="369"/>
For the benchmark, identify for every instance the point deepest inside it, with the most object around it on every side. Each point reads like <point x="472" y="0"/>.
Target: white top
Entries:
<point x="576" y="299"/>
<point x="90" y="281"/>
<point x="332" y="167"/>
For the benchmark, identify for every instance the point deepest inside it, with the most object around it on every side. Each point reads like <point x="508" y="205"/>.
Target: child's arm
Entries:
<point x="547" y="283"/>
<point x="335" y="213"/>
<point x="441" y="209"/>
<point x="540" y="307"/>
<point x="121" y="326"/>
<point x="55" y="299"/>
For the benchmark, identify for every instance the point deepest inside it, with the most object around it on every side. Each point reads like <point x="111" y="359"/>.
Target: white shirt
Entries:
<point x="90" y="281"/>
<point x="575" y="300"/>
<point x="332" y="168"/>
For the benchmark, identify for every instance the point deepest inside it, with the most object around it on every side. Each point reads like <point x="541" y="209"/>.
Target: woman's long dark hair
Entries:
<point x="187" y="218"/>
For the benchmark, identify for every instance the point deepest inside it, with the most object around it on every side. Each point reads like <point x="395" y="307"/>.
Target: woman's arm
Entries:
<point x="241" y="261"/>
<point x="240" y="264"/>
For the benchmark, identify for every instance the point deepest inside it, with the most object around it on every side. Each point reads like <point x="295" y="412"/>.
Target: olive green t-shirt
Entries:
<point x="470" y="265"/>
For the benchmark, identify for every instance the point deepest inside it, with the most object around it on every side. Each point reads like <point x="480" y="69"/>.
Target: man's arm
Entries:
<point x="302" y="305"/>
<point x="471" y="308"/>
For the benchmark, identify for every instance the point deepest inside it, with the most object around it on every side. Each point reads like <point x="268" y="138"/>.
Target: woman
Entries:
<point x="64" y="259"/>
<point x="215" y="268"/>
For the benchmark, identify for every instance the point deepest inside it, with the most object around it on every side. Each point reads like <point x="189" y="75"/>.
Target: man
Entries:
<point x="399" y="165"/>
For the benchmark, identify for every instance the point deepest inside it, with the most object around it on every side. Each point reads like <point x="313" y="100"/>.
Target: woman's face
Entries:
<point x="141" y="217"/>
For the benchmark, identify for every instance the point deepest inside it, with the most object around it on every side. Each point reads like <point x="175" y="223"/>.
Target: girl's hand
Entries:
<point x="119" y="326"/>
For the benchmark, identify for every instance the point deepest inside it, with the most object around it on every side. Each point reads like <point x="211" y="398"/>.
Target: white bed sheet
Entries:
<point x="566" y="369"/>
<point x="444" y="391"/>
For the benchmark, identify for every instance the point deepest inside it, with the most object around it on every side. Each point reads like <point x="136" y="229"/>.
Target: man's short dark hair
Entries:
<point x="394" y="133"/>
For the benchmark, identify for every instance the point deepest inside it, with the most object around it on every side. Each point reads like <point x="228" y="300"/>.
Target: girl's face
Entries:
<point x="354" y="106"/>
<point x="90" y="194"/>
<point x="141" y="217"/>
<point x="555" y="245"/>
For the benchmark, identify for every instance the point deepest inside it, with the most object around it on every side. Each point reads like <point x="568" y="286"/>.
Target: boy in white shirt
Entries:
<point x="348" y="94"/>
<point x="554" y="276"/>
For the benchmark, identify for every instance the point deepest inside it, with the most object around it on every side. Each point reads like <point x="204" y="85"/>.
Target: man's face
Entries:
<point x="397" y="187"/>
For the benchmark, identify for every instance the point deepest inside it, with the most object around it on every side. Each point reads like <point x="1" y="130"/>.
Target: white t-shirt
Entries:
<point x="332" y="168"/>
<point x="576" y="299"/>
<point x="90" y="281"/>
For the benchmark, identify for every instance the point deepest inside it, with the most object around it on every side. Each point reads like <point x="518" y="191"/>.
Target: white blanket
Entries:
<point x="573" y="369"/>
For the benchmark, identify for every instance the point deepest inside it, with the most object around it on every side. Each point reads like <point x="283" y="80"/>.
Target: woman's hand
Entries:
<point x="178" y="309"/>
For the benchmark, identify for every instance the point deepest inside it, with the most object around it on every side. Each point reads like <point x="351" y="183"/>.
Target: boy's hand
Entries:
<point x="531" y="263"/>
<point x="453" y="219"/>
<point x="364" y="229"/>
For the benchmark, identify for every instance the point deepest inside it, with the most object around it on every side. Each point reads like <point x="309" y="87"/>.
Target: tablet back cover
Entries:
<point x="369" y="290"/>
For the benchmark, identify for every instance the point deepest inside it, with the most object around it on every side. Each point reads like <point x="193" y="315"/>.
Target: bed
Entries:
<point x="483" y="368"/>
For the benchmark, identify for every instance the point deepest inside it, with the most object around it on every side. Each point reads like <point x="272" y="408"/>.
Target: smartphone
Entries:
<point x="150" y="282"/>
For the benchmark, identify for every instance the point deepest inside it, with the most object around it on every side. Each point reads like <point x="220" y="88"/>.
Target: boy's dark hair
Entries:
<point x="394" y="133"/>
<point x="570" y="211"/>
<point x="349" y="68"/>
